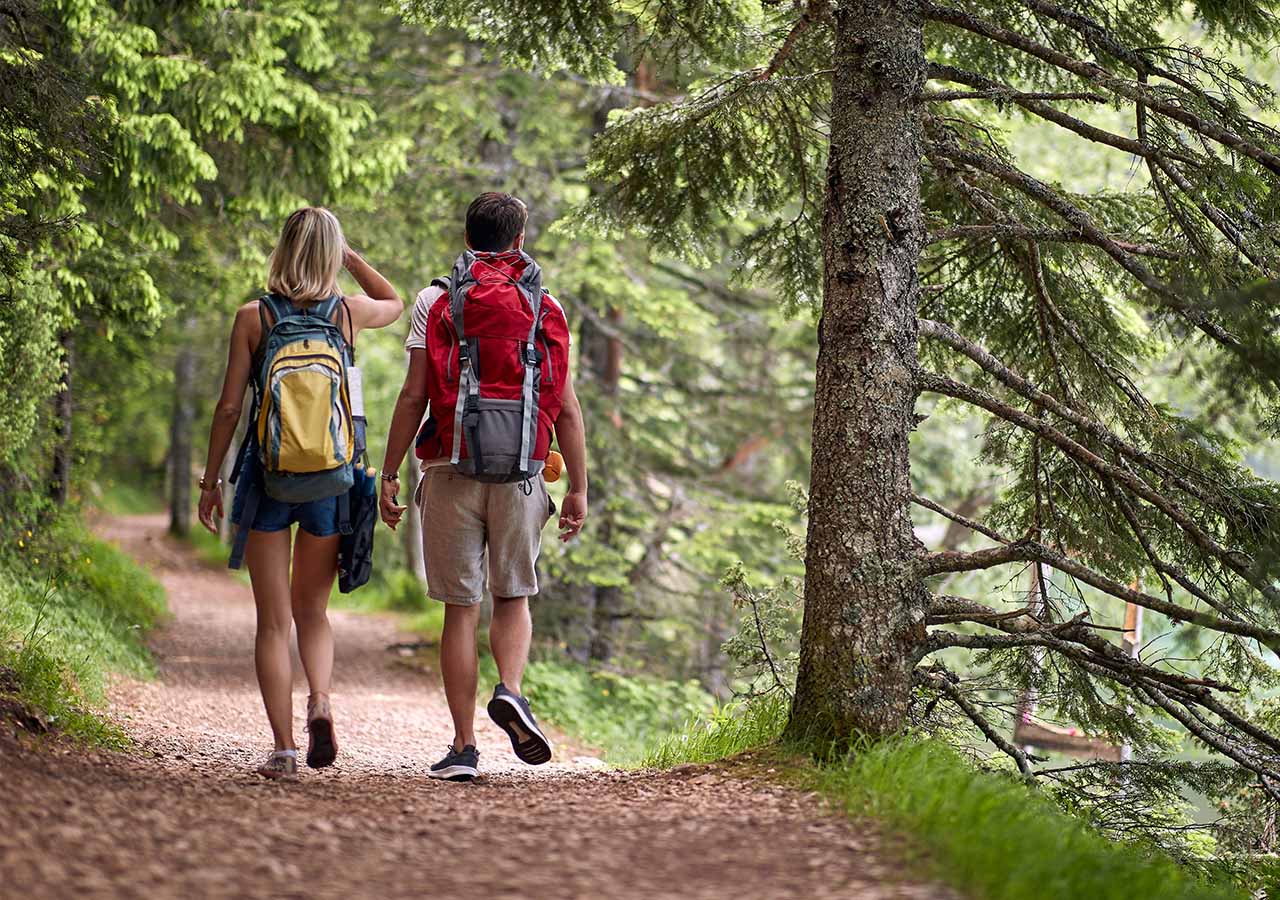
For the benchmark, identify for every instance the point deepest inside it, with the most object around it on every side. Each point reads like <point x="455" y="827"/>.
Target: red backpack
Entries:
<point x="496" y="371"/>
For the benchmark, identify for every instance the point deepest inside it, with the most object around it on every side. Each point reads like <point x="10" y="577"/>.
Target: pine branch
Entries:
<point x="1196" y="726"/>
<point x="943" y="684"/>
<point x="1044" y="235"/>
<point x="1036" y="105"/>
<point x="814" y="11"/>
<point x="1019" y="622"/>
<point x="1096" y="74"/>
<point x="1142" y="65"/>
<point x="1022" y="386"/>
<point x="1032" y="551"/>
<point x="1239" y="562"/>
<point x="1058" y="639"/>
<point x="1002" y="94"/>
<point x="971" y="524"/>
<point x="1216" y="216"/>
<point x="1081" y="221"/>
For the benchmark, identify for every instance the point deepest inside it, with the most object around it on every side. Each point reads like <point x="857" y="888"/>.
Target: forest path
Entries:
<point x="182" y="815"/>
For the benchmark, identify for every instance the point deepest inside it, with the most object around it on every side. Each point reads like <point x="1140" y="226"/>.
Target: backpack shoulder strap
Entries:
<point x="466" y="407"/>
<point x="268" y="315"/>
<point x="325" y="309"/>
<point x="277" y="307"/>
<point x="350" y="336"/>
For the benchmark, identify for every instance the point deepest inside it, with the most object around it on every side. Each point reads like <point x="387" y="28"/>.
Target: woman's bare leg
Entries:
<point x="267" y="556"/>
<point x="315" y="565"/>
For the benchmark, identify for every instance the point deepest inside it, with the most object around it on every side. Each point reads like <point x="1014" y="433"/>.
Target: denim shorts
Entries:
<point x="316" y="517"/>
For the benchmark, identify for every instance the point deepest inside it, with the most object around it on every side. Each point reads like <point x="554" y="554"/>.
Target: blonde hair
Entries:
<point x="307" y="259"/>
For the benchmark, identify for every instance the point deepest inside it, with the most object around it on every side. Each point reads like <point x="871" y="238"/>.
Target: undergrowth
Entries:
<point x="73" y="610"/>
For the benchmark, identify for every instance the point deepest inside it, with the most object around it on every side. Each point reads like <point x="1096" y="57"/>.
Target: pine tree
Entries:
<point x="866" y="141"/>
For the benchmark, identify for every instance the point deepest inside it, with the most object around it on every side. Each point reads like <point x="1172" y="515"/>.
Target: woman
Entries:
<point x="303" y="271"/>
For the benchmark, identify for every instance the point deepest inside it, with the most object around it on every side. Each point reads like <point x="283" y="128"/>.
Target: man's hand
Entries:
<point x="211" y="502"/>
<point x="387" y="506"/>
<point x="573" y="512"/>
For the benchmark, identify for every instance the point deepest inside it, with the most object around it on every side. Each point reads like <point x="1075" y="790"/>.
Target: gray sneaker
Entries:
<point x="281" y="765"/>
<point x="458" y="765"/>
<point x="512" y="714"/>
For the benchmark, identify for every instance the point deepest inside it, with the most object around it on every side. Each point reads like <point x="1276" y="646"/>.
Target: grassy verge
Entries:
<point x="986" y="834"/>
<point x="72" y="610"/>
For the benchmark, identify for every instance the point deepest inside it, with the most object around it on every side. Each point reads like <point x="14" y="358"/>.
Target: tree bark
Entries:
<point x="601" y="356"/>
<point x="181" y="421"/>
<point x="864" y="605"/>
<point x="63" y="408"/>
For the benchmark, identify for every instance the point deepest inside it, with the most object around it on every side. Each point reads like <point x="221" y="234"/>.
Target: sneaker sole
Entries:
<point x="454" y="773"/>
<point x="527" y="740"/>
<point x="322" y="750"/>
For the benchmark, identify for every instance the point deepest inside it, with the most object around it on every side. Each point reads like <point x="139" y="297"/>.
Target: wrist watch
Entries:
<point x="394" y="476"/>
<point x="204" y="486"/>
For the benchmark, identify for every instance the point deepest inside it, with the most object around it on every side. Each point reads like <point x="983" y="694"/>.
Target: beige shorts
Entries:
<point x="462" y="518"/>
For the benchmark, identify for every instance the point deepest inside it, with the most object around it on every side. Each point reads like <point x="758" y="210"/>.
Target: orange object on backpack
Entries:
<point x="555" y="465"/>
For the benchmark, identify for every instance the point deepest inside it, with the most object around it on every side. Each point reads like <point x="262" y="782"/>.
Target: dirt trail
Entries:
<point x="180" y="817"/>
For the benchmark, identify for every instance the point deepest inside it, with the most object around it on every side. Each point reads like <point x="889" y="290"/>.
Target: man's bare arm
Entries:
<point x="410" y="407"/>
<point x="572" y="437"/>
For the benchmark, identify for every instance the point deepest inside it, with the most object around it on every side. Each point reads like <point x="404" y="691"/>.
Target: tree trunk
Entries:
<point x="63" y="407"/>
<point x="601" y="358"/>
<point x="864" y="606"/>
<point x="181" y="421"/>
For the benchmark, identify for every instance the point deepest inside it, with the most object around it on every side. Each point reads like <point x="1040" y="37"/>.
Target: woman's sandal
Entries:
<point x="322" y="745"/>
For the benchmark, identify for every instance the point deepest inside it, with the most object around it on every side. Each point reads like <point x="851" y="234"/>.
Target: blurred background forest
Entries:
<point x="145" y="216"/>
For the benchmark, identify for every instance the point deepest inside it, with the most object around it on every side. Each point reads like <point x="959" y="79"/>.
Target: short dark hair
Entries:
<point x="494" y="221"/>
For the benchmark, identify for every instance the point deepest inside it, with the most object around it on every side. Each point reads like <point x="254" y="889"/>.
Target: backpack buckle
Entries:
<point x="532" y="356"/>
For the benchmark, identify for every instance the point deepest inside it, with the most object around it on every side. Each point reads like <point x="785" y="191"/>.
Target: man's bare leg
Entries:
<point x="510" y="634"/>
<point x="459" y="669"/>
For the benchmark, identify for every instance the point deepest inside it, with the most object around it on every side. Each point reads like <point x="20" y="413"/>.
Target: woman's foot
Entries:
<point x="281" y="765"/>
<point x="322" y="745"/>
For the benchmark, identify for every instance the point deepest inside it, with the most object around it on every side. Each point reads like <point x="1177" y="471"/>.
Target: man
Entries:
<point x="499" y="382"/>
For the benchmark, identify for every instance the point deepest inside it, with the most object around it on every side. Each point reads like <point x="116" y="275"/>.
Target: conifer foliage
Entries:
<point x="865" y="140"/>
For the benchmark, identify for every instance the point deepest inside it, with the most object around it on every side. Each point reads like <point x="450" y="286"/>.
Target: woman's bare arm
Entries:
<point x="226" y="415"/>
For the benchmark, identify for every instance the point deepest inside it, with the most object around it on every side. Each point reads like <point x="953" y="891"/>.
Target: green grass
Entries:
<point x="987" y="834"/>
<point x="728" y="731"/>
<point x="992" y="836"/>
<point x="73" y="610"/>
